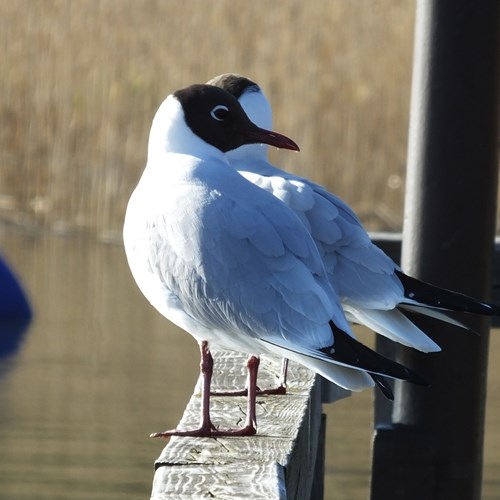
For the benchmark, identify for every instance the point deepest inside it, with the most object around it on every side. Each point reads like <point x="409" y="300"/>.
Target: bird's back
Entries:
<point x="232" y="256"/>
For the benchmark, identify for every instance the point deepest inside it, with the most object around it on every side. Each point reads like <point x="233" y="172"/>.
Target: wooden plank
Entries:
<point x="277" y="463"/>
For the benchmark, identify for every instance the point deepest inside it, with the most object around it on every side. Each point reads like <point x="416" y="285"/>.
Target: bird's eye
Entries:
<point x="219" y="113"/>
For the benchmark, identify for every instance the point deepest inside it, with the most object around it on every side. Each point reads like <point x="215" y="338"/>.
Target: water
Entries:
<point x="99" y="370"/>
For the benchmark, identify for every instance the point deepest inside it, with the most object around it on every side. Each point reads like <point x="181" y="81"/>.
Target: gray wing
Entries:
<point x="244" y="264"/>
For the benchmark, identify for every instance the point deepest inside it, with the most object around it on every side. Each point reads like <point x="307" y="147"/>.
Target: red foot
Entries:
<point x="242" y="392"/>
<point x="260" y="392"/>
<point x="281" y="389"/>
<point x="207" y="429"/>
<point x="248" y="430"/>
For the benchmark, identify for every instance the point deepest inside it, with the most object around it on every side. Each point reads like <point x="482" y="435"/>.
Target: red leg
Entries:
<point x="280" y="389"/>
<point x="206" y="428"/>
<point x="253" y="368"/>
<point x="250" y="427"/>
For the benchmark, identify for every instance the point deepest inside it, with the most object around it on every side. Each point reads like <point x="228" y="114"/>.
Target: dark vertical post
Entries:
<point x="318" y="483"/>
<point x="433" y="447"/>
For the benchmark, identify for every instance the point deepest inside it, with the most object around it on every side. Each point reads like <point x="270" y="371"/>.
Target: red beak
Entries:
<point x="262" y="136"/>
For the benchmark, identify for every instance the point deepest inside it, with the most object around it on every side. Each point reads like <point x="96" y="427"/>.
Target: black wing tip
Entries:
<point x="348" y="350"/>
<point x="384" y="386"/>
<point x="434" y="296"/>
<point x="386" y="389"/>
<point x="416" y="379"/>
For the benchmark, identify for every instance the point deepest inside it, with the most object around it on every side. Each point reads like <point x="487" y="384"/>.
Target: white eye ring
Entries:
<point x="218" y="108"/>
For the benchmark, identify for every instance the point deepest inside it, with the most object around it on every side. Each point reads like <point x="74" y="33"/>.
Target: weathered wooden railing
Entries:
<point x="283" y="461"/>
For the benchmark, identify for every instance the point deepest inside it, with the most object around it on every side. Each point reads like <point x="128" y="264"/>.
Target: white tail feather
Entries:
<point x="433" y="313"/>
<point x="394" y="325"/>
<point x="351" y="379"/>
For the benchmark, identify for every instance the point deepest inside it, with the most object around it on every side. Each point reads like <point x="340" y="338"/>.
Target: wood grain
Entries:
<point x="277" y="463"/>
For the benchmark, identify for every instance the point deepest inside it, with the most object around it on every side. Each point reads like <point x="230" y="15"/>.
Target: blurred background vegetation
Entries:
<point x="81" y="81"/>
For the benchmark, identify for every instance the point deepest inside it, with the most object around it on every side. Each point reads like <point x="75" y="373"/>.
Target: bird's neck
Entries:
<point x="257" y="152"/>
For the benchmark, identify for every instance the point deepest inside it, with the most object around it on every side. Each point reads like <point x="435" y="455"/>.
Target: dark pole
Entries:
<point x="433" y="447"/>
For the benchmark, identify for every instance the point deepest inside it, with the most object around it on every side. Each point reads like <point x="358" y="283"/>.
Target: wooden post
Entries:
<point x="432" y="449"/>
<point x="278" y="463"/>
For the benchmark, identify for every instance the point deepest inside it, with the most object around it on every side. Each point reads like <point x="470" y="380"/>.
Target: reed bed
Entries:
<point x="82" y="80"/>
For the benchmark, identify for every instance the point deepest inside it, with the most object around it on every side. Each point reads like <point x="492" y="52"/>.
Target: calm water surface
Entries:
<point x="99" y="370"/>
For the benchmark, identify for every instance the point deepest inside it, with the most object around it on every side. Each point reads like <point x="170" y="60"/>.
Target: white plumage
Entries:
<point x="221" y="258"/>
<point x="224" y="259"/>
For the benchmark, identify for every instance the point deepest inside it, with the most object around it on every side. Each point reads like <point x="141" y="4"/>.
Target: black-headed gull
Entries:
<point x="372" y="288"/>
<point x="230" y="263"/>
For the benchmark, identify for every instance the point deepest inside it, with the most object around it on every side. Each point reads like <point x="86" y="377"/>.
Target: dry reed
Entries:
<point x="82" y="80"/>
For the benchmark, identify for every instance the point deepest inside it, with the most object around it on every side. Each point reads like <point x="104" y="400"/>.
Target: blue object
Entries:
<point x="15" y="311"/>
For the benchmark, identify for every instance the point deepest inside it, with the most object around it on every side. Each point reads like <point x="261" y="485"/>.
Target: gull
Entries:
<point x="373" y="290"/>
<point x="230" y="263"/>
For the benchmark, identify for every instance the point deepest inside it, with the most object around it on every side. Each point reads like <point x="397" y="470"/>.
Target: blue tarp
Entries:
<point x="15" y="311"/>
